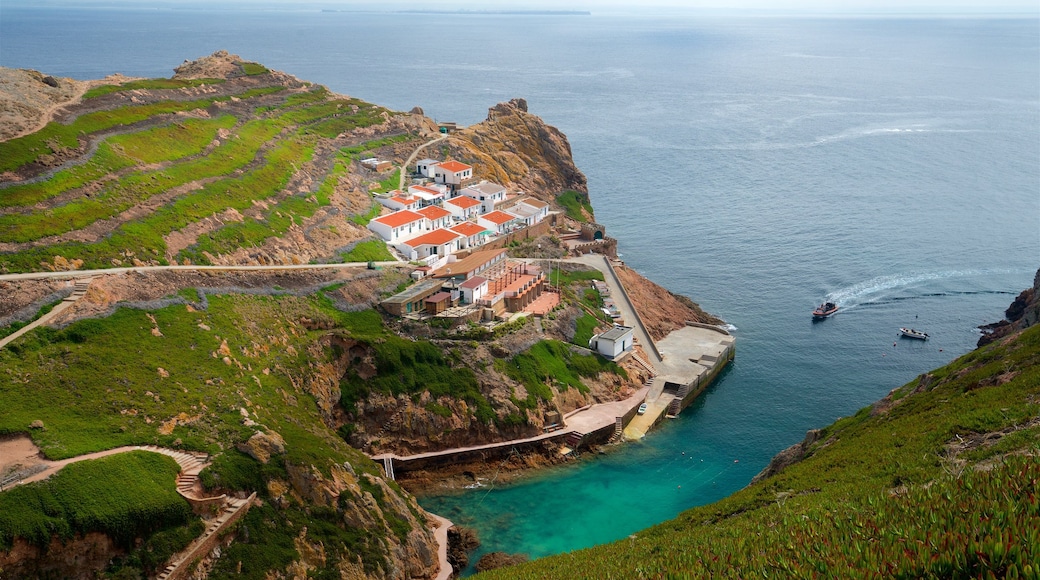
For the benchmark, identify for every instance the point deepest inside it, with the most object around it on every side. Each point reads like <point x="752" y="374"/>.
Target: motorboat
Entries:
<point x="824" y="310"/>
<point x="911" y="333"/>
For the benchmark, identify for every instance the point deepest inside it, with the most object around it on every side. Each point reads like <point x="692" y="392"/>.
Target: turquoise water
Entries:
<point x="758" y="165"/>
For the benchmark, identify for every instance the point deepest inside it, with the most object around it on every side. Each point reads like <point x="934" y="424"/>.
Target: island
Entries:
<point x="245" y="318"/>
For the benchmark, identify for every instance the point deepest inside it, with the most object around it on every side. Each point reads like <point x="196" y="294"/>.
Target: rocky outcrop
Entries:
<point x="78" y="558"/>
<point x="519" y="150"/>
<point x="788" y="457"/>
<point x="461" y="541"/>
<point x="1023" y="313"/>
<point x="494" y="560"/>
<point x="29" y="98"/>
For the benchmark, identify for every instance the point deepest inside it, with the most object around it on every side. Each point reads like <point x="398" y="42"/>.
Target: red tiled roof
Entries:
<point x="468" y="229"/>
<point x="454" y="166"/>
<point x="462" y="202"/>
<point x="439" y="297"/>
<point x="434" y="238"/>
<point x="404" y="200"/>
<point x="498" y="217"/>
<point x="399" y="218"/>
<point x="473" y="282"/>
<point x="433" y="212"/>
<point x="534" y="202"/>
<point x="429" y="190"/>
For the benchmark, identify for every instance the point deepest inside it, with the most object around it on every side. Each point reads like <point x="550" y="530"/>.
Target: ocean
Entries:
<point x="758" y="165"/>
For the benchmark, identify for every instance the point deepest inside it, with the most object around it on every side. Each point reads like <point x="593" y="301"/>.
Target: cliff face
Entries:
<point x="518" y="149"/>
<point x="1023" y="313"/>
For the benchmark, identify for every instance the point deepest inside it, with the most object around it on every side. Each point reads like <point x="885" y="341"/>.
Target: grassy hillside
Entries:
<point x="189" y="170"/>
<point x="938" y="480"/>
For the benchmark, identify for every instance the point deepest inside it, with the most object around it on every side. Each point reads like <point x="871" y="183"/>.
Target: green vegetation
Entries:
<point x="125" y="496"/>
<point x="884" y="493"/>
<point x="172" y="142"/>
<point x="255" y="164"/>
<point x="16" y="326"/>
<point x="407" y="367"/>
<point x="103" y="162"/>
<point x="253" y="69"/>
<point x="567" y="277"/>
<point x="149" y="84"/>
<point x="368" y="251"/>
<point x="56" y="136"/>
<point x="586" y="328"/>
<point x="574" y="203"/>
<point x="553" y="363"/>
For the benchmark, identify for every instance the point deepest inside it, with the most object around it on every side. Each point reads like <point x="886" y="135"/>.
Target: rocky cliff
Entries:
<point x="518" y="149"/>
<point x="1023" y="313"/>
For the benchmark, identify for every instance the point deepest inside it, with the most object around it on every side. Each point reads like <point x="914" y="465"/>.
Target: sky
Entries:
<point x="818" y="6"/>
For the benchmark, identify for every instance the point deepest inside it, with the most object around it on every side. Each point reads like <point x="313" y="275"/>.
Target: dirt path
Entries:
<point x="47" y="114"/>
<point x="407" y="162"/>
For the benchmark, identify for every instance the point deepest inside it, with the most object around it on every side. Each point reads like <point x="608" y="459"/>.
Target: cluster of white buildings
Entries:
<point x="444" y="214"/>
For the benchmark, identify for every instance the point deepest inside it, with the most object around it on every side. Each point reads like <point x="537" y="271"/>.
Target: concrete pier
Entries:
<point x="692" y="357"/>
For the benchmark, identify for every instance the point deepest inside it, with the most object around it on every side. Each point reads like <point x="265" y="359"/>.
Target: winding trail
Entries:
<point x="407" y="162"/>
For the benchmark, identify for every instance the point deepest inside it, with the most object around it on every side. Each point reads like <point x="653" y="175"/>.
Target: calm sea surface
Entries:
<point x="757" y="165"/>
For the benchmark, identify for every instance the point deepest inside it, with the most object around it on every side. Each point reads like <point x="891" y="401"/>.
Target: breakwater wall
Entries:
<point x="713" y="372"/>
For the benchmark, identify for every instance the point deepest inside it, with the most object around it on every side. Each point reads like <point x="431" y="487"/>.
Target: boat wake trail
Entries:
<point x="883" y="289"/>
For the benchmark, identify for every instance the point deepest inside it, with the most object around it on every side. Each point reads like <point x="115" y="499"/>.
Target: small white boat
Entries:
<point x="911" y="333"/>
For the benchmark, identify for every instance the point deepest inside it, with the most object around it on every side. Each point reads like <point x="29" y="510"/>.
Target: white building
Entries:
<point x="474" y="289"/>
<point x="452" y="173"/>
<point x="439" y="242"/>
<point x="425" y="167"/>
<point x="429" y="194"/>
<point x="498" y="222"/>
<point x="612" y="342"/>
<point x="437" y="217"/>
<point x="530" y="210"/>
<point x="462" y="207"/>
<point x="397" y="201"/>
<point x="473" y="235"/>
<point x="398" y="226"/>
<point x="487" y="193"/>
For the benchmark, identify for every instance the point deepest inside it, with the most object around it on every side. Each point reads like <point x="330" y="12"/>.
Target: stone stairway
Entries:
<point x="180" y="564"/>
<point x="643" y="363"/>
<point x="619" y="430"/>
<point x="676" y="405"/>
<point x="575" y="439"/>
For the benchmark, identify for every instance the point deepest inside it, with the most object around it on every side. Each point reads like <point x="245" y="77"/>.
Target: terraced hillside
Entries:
<point x="253" y="166"/>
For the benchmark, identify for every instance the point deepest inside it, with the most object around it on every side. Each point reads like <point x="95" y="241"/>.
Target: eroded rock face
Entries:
<point x="262" y="445"/>
<point x="1023" y="313"/>
<point x="78" y="558"/>
<point x="518" y="149"/>
<point x="788" y="457"/>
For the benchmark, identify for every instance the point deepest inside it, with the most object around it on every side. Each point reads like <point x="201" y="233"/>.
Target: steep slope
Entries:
<point x="271" y="373"/>
<point x="939" y="479"/>
<point x="515" y="148"/>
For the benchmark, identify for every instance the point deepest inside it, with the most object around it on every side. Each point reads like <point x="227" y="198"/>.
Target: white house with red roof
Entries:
<point x="499" y="222"/>
<point x="440" y="242"/>
<point x="530" y="210"/>
<point x="398" y="226"/>
<point x="430" y="194"/>
<point x="452" y="173"/>
<point x="396" y="201"/>
<point x="462" y="207"/>
<point x="473" y="289"/>
<point x="487" y="193"/>
<point x="473" y="235"/>
<point x="437" y="217"/>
